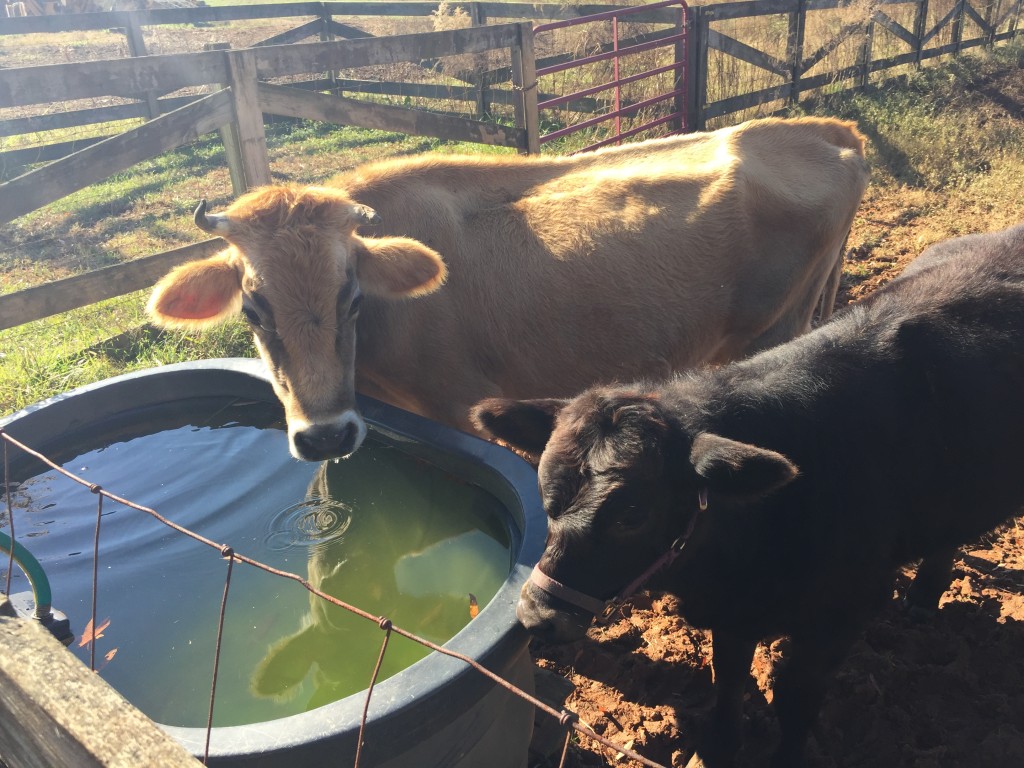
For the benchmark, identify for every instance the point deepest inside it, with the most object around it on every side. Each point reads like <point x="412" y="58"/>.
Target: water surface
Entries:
<point x="383" y="531"/>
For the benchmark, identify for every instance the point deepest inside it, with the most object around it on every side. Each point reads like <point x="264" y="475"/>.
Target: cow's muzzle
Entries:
<point x="337" y="439"/>
<point x="554" y="625"/>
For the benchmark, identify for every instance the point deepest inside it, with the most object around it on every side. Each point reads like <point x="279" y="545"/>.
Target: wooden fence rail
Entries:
<point x="791" y="72"/>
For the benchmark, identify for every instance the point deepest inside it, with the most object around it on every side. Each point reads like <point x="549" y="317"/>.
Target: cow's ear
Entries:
<point x="526" y="425"/>
<point x="197" y="294"/>
<point x="739" y="469"/>
<point x="394" y="267"/>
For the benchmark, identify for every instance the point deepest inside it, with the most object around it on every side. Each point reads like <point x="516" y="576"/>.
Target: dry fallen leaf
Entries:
<point x="88" y="635"/>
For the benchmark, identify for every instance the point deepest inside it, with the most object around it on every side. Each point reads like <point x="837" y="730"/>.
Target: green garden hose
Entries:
<point x="34" y="571"/>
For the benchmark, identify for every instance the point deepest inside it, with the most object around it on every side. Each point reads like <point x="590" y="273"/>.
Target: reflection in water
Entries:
<point x="373" y="531"/>
<point x="415" y="563"/>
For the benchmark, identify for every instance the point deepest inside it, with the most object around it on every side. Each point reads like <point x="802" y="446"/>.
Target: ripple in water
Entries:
<point x="310" y="524"/>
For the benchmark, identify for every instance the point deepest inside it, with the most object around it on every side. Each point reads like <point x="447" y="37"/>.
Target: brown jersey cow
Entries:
<point x="557" y="272"/>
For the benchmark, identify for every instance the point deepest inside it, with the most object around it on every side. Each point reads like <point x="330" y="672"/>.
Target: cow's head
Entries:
<point x="621" y="481"/>
<point x="297" y="270"/>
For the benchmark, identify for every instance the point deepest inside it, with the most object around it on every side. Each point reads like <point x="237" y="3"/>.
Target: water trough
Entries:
<point x="437" y="712"/>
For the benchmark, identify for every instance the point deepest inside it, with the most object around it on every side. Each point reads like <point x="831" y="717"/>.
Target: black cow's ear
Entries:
<point x="526" y="425"/>
<point x="739" y="469"/>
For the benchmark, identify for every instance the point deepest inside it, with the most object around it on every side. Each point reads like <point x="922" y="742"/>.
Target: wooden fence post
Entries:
<point x="866" y="53"/>
<point x="680" y="79"/>
<point x="478" y="16"/>
<point x="920" y="27"/>
<point x="524" y="82"/>
<point x="958" y="27"/>
<point x="55" y="712"/>
<point x="229" y="137"/>
<point x="696" y="68"/>
<point x="137" y="47"/>
<point x="795" y="48"/>
<point x="252" y="140"/>
<point x="991" y="14"/>
<point x="326" y="36"/>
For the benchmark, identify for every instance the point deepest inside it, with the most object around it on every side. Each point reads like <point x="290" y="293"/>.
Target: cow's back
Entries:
<point x="629" y="262"/>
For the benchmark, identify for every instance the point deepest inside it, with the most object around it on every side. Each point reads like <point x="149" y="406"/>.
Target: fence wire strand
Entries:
<point x="568" y="719"/>
<point x="95" y="573"/>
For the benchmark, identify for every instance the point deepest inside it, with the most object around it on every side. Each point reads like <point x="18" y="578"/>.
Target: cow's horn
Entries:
<point x="214" y="224"/>
<point x="367" y="215"/>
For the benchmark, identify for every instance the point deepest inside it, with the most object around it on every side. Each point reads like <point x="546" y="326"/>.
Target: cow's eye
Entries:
<point x="630" y="517"/>
<point x="353" y="308"/>
<point x="250" y="316"/>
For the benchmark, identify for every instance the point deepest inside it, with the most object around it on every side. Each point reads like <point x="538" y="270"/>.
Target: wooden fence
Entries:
<point x="887" y="34"/>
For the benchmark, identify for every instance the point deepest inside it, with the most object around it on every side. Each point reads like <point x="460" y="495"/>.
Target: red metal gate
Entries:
<point x="677" y="38"/>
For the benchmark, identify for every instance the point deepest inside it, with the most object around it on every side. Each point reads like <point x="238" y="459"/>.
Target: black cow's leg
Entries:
<point x="731" y="657"/>
<point x="933" y="577"/>
<point x="800" y="687"/>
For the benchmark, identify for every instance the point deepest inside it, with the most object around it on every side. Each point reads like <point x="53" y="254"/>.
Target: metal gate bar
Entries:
<point x="617" y="82"/>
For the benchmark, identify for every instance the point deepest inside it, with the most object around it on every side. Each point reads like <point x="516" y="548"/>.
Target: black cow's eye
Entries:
<point x="629" y="517"/>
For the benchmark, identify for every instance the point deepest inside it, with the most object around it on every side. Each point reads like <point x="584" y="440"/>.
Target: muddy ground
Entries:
<point x="940" y="694"/>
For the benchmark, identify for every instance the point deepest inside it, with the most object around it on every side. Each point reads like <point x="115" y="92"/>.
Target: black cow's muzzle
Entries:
<point x="562" y="624"/>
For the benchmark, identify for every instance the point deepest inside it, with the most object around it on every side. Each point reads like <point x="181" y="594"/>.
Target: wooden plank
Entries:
<point x="46" y="152"/>
<point x="346" y="31"/>
<point x="99" y="285"/>
<point x="245" y="100"/>
<point x="292" y="102"/>
<point x="920" y="22"/>
<point x="55" y="712"/>
<point x="894" y="61"/>
<point x="57" y="120"/>
<point x="845" y="33"/>
<point x="981" y="22"/>
<point x="748" y="9"/>
<point x="51" y="83"/>
<point x="283" y="60"/>
<point x="564" y="11"/>
<point x="895" y="28"/>
<point x="79" y="22"/>
<point x="137" y="47"/>
<point x="701" y="30"/>
<point x="829" y="78"/>
<point x="524" y="81"/>
<point x="295" y="35"/>
<point x="728" y="45"/>
<point x="696" y="43"/>
<point x="939" y="25"/>
<point x="747" y="100"/>
<point x="58" y="179"/>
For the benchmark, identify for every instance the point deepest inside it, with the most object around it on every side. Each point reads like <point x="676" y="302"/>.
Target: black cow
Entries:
<point x="792" y="485"/>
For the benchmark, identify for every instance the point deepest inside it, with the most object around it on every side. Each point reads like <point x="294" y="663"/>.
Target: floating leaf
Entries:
<point x="88" y="635"/>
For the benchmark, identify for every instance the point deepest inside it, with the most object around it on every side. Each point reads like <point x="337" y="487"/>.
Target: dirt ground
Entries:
<point x="944" y="693"/>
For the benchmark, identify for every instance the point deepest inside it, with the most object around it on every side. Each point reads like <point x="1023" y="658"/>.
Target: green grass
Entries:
<point x="57" y="354"/>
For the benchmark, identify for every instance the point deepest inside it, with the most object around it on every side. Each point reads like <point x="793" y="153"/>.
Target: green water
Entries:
<point x="383" y="531"/>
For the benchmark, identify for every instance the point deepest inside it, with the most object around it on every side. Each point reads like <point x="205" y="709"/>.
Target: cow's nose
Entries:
<point x="317" y="443"/>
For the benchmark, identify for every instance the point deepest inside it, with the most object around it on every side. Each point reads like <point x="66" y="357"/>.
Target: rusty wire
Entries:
<point x="569" y="720"/>
<point x="387" y="626"/>
<point x="10" y="519"/>
<point x="228" y="553"/>
<point x="95" y="573"/>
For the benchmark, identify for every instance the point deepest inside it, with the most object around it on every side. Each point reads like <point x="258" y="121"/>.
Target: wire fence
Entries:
<point x="567" y="718"/>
